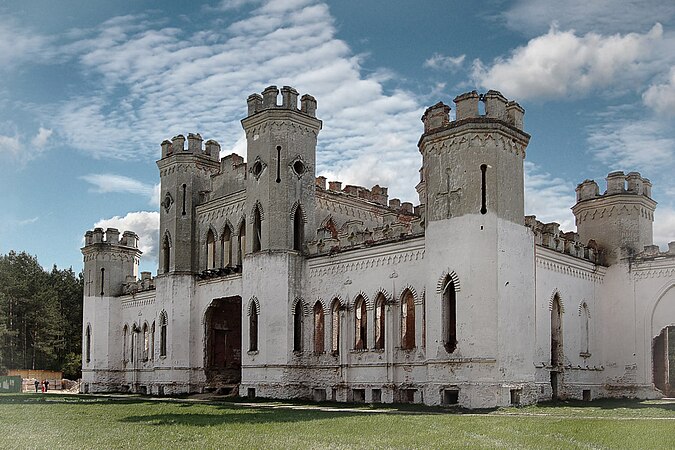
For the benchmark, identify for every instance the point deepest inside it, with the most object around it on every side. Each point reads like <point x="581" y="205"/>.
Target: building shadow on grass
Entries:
<point x="614" y="403"/>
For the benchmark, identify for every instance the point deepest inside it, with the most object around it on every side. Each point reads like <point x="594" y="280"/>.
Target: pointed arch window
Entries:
<point x="585" y="331"/>
<point x="335" y="331"/>
<point x="210" y="250"/>
<point x="257" y="230"/>
<point x="298" y="229"/>
<point x="132" y="343"/>
<point x="361" y="324"/>
<point x="297" y="327"/>
<point x="380" y="322"/>
<point x="87" y="344"/>
<point x="125" y="347"/>
<point x="242" y="242"/>
<point x="226" y="247"/>
<point x="408" y="321"/>
<point x="449" y="315"/>
<point x="319" y="328"/>
<point x="152" y="340"/>
<point x="253" y="328"/>
<point x="163" y="325"/>
<point x="166" y="255"/>
<point x="556" y="332"/>
<point x="146" y="341"/>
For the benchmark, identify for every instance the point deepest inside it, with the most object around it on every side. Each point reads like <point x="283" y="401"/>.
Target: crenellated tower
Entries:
<point x="619" y="220"/>
<point x="281" y="155"/>
<point x="185" y="177"/>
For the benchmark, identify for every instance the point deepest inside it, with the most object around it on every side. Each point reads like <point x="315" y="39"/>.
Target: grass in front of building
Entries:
<point x="88" y="421"/>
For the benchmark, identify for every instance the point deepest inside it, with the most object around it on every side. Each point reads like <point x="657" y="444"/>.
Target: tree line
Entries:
<point x="40" y="316"/>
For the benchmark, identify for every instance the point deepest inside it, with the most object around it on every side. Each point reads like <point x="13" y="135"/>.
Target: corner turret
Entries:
<point x="620" y="220"/>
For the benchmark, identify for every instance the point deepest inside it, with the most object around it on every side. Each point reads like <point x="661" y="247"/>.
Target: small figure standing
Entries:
<point x="46" y="385"/>
<point x="37" y="385"/>
<point x="43" y="386"/>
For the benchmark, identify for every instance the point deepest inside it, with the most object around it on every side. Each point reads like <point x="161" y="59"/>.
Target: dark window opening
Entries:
<point x="586" y="395"/>
<point x="257" y="168"/>
<point x="166" y="251"/>
<point x="297" y="327"/>
<point x="278" y="180"/>
<point x="361" y="330"/>
<point x="251" y="393"/>
<point x="408" y="321"/>
<point x="377" y="395"/>
<point x="299" y="167"/>
<point x="335" y="337"/>
<point x="102" y="279"/>
<point x="210" y="250"/>
<point x="253" y="329"/>
<point x="515" y="396"/>
<point x="379" y="322"/>
<point x="319" y="326"/>
<point x="359" y="395"/>
<point x="257" y="230"/>
<point x="242" y="243"/>
<point x="483" y="196"/>
<point x="450" y="396"/>
<point x="162" y="334"/>
<point x="449" y="316"/>
<point x="298" y="229"/>
<point x="87" y="344"/>
<point x="184" y="198"/>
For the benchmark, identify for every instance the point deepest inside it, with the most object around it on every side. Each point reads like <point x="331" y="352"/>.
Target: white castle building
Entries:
<point x="277" y="284"/>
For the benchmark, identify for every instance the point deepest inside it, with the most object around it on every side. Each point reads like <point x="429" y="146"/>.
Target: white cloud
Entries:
<point x="144" y="223"/>
<point x="19" y="44"/>
<point x="605" y="16"/>
<point x="40" y="140"/>
<point x="664" y="226"/>
<point x="661" y="97"/>
<point x="106" y="183"/>
<point x="10" y="145"/>
<point x="561" y="63"/>
<point x="174" y="82"/>
<point x="549" y="198"/>
<point x="442" y="62"/>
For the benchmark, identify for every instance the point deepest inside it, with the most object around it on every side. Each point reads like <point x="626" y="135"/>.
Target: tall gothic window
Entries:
<point x="166" y="255"/>
<point x="585" y="330"/>
<point x="449" y="315"/>
<point x="319" y="335"/>
<point x="146" y="341"/>
<point x="87" y="344"/>
<point x="408" y="321"/>
<point x="242" y="242"/>
<point x="361" y="324"/>
<point x="152" y="341"/>
<point x="163" y="325"/>
<point x="226" y="247"/>
<point x="297" y="327"/>
<point x="298" y="229"/>
<point x="257" y="230"/>
<point x="253" y="329"/>
<point x="335" y="322"/>
<point x="379" y="322"/>
<point x="210" y="250"/>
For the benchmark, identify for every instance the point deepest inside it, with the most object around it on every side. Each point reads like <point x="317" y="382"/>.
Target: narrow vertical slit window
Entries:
<point x="166" y="250"/>
<point x="483" y="194"/>
<point x="278" y="164"/>
<point x="242" y="243"/>
<point x="253" y="329"/>
<point x="184" y="197"/>
<point x="379" y="322"/>
<point x="335" y="341"/>
<point x="319" y="326"/>
<point x="162" y="333"/>
<point x="125" y="348"/>
<point x="297" y="327"/>
<point x="87" y="344"/>
<point x="298" y="229"/>
<point x="102" y="279"/>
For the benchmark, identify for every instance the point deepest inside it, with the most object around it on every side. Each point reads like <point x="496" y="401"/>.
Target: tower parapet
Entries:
<point x="620" y="219"/>
<point x="109" y="261"/>
<point x="176" y="146"/>
<point x="289" y="100"/>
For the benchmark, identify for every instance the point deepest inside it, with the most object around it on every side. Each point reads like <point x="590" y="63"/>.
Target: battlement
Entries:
<point x="549" y="235"/>
<point x="111" y="236"/>
<point x="133" y="286"/>
<point x="289" y="100"/>
<point x="652" y="252"/>
<point x="211" y="149"/>
<point x="377" y="194"/>
<point x="617" y="183"/>
<point x="497" y="107"/>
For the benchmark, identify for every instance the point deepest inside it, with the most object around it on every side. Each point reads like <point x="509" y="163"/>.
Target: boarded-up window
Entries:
<point x="319" y="335"/>
<point x="408" y="321"/>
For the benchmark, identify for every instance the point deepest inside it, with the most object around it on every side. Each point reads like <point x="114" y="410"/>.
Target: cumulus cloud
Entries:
<point x="175" y="82"/>
<point x="40" y="140"/>
<point x="661" y="97"/>
<point x="442" y="62"/>
<point x="549" y="198"/>
<point x="562" y="63"/>
<point x="145" y="224"/>
<point x="106" y="183"/>
<point x="605" y="16"/>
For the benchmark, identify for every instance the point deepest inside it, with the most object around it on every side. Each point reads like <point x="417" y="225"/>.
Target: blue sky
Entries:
<point x="90" y="89"/>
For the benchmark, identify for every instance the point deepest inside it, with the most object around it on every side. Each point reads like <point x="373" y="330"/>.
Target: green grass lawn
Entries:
<point x="80" y="421"/>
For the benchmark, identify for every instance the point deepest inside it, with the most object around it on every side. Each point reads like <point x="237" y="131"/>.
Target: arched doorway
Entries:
<point x="222" y="361"/>
<point x="663" y="361"/>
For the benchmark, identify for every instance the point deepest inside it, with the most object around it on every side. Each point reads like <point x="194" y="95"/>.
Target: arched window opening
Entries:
<point x="298" y="229"/>
<point x="449" y="316"/>
<point x="257" y="230"/>
<point x="242" y="243"/>
<point x="166" y="255"/>
<point x="146" y="342"/>
<point x="226" y="248"/>
<point x="253" y="329"/>
<point x="210" y="250"/>
<point x="335" y="332"/>
<point x="361" y="322"/>
<point x="87" y="344"/>
<point x="125" y="348"/>
<point x="163" y="325"/>
<point x="585" y="331"/>
<point x="132" y="344"/>
<point x="319" y="335"/>
<point x="152" y="341"/>
<point x="408" y="321"/>
<point x="556" y="333"/>
<point x="297" y="327"/>
<point x="379" y="322"/>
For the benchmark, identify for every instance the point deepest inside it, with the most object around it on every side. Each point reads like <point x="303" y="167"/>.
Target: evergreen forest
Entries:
<point x="40" y="316"/>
